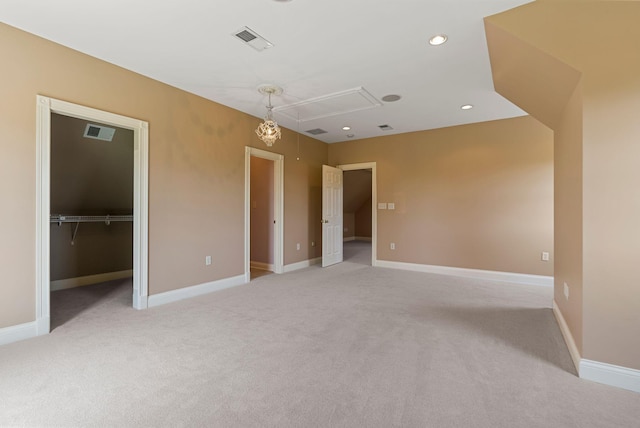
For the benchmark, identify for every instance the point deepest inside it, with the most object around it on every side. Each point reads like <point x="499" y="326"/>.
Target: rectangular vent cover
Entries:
<point x="99" y="132"/>
<point x="385" y="127"/>
<point x="316" y="131"/>
<point x="253" y="39"/>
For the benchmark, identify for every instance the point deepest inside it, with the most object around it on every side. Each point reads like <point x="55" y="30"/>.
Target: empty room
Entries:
<point x="341" y="213"/>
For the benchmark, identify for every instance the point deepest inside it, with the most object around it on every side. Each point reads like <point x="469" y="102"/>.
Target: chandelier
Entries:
<point x="269" y="131"/>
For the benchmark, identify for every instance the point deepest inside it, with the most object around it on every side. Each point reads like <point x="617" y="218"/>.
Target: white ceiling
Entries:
<point x="321" y="47"/>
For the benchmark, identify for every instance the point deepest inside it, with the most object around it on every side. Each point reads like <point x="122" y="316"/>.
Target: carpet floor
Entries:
<point x="344" y="346"/>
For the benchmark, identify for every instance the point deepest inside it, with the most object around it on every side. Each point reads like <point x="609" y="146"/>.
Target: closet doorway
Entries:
<point x="264" y="207"/>
<point x="104" y="210"/>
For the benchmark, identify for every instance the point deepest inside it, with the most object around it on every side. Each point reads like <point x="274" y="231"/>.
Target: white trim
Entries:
<point x="262" y="266"/>
<point x="363" y="238"/>
<point x="44" y="107"/>
<point x="278" y="203"/>
<point x="194" y="291"/>
<point x="80" y="281"/>
<point x="348" y="238"/>
<point x="303" y="264"/>
<point x="19" y="332"/>
<point x="609" y="374"/>
<point x="374" y="203"/>
<point x="568" y="337"/>
<point x="518" y="278"/>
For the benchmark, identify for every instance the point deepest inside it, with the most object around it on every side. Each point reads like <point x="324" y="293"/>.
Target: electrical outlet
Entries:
<point x="298" y="246"/>
<point x="313" y="243"/>
<point x="545" y="256"/>
<point x="207" y="260"/>
<point x="392" y="245"/>
<point x="566" y="291"/>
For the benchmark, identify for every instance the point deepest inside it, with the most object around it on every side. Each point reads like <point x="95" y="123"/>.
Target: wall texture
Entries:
<point x="196" y="190"/>
<point x="477" y="196"/>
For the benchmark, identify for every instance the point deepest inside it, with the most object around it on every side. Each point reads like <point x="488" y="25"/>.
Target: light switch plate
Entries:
<point x="391" y="206"/>
<point x="382" y="205"/>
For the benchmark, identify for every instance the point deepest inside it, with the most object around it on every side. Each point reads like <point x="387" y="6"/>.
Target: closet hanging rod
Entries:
<point x="57" y="218"/>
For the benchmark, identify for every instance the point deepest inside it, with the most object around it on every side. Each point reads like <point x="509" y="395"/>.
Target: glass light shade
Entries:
<point x="268" y="131"/>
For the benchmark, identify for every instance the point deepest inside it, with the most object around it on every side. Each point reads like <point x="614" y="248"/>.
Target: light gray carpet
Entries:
<point x="345" y="346"/>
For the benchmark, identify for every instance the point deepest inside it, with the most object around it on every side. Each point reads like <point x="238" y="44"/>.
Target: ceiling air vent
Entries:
<point x="316" y="131"/>
<point x="253" y="39"/>
<point x="99" y="132"/>
<point x="385" y="127"/>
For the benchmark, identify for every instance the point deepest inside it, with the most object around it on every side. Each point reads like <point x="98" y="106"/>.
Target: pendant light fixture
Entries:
<point x="269" y="131"/>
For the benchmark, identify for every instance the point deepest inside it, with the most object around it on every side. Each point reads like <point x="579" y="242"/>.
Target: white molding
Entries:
<point x="568" y="337"/>
<point x="44" y="107"/>
<point x="303" y="264"/>
<point x="19" y="332"/>
<point x="195" y="290"/>
<point x="609" y="374"/>
<point x="363" y="238"/>
<point x="518" y="278"/>
<point x="80" y="281"/>
<point x="262" y="266"/>
<point x="348" y="238"/>
<point x="278" y="188"/>
<point x="374" y="203"/>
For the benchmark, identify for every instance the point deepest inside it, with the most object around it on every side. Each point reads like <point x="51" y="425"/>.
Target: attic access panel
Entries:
<point x="334" y="104"/>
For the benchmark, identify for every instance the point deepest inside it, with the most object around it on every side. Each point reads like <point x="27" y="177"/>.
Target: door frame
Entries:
<point x="278" y="208"/>
<point x="374" y="203"/>
<point x="44" y="107"/>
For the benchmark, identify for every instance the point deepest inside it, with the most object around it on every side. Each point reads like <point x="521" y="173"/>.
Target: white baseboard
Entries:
<point x="263" y="266"/>
<point x="303" y="264"/>
<point x="609" y="374"/>
<point x="363" y="238"/>
<point x="80" y="281"/>
<point x="568" y="337"/>
<point x="348" y="238"/>
<point x="194" y="290"/>
<point x="16" y="333"/>
<point x="518" y="278"/>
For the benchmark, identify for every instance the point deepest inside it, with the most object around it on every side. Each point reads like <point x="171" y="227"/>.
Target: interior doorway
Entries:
<point x="264" y="208"/>
<point x="46" y="107"/>
<point x="362" y="225"/>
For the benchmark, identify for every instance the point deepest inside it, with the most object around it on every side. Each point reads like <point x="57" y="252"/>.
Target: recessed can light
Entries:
<point x="466" y="107"/>
<point x="346" y="128"/>
<point x="438" y="39"/>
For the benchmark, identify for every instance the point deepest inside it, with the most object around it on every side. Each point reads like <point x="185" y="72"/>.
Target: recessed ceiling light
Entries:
<point x="438" y="39"/>
<point x="466" y="107"/>
<point x="391" y="98"/>
<point x="346" y="128"/>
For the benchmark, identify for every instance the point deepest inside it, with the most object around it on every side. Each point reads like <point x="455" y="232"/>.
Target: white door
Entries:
<point x="331" y="215"/>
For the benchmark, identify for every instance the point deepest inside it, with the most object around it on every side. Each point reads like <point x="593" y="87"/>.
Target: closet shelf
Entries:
<point x="77" y="219"/>
<point x="106" y="219"/>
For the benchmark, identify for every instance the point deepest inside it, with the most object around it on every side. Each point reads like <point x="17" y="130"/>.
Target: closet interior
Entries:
<point x="91" y="212"/>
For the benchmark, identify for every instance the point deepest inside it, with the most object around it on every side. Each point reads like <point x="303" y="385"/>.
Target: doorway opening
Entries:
<point x="368" y="167"/>
<point x="50" y="110"/>
<point x="264" y="208"/>
<point x="357" y="209"/>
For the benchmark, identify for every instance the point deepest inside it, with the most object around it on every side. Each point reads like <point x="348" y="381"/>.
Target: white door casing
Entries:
<point x="278" y="208"/>
<point x="44" y="107"/>
<point x="332" y="216"/>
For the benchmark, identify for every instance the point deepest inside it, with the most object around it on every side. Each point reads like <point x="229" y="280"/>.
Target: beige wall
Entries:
<point x="196" y="199"/>
<point x="349" y="224"/>
<point x="262" y="210"/>
<point x="363" y="220"/>
<point x="599" y="40"/>
<point x="477" y="196"/>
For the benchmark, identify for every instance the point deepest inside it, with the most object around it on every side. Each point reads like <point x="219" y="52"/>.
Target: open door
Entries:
<point x="331" y="215"/>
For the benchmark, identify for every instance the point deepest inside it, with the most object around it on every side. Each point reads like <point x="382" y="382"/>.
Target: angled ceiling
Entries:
<point x="325" y="55"/>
